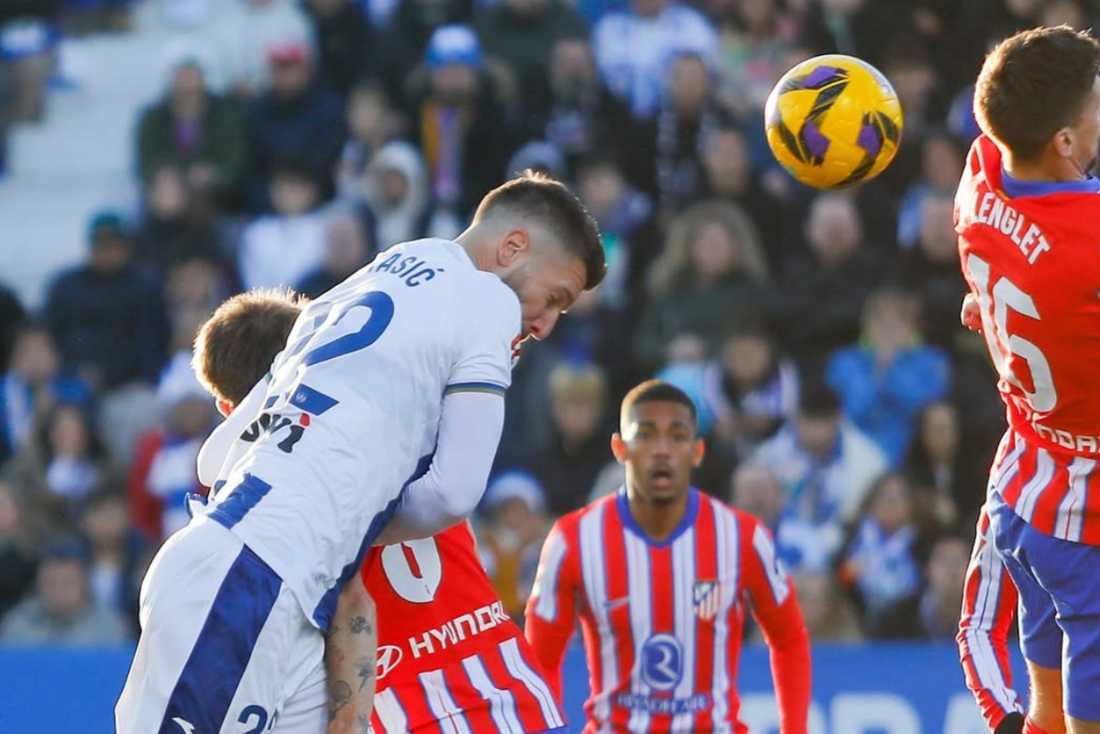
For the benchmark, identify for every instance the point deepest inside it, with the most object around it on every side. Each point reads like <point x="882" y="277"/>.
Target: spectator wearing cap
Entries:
<point x="295" y="120"/>
<point x="108" y="315"/>
<point x="164" y="471"/>
<point x="29" y="37"/>
<point x="633" y="48"/>
<point x="196" y="130"/>
<point x="34" y="383"/>
<point x="245" y="36"/>
<point x="571" y="106"/>
<point x="521" y="34"/>
<point x="401" y="48"/>
<point x="458" y="124"/>
<point x="62" y="612"/>
<point x="510" y="537"/>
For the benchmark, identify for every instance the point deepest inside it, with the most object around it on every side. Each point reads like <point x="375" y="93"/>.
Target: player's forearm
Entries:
<point x="350" y="655"/>
<point x="469" y="432"/>
<point x="549" y="643"/>
<point x="789" y="646"/>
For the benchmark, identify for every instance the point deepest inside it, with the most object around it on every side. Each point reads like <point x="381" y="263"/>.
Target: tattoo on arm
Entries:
<point x="367" y="670"/>
<point x="339" y="695"/>
<point x="364" y="723"/>
<point x="360" y="624"/>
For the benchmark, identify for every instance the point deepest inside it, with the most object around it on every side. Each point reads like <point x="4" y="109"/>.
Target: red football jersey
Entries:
<point x="1033" y="263"/>
<point x="989" y="606"/>
<point x="662" y="621"/>
<point x="450" y="660"/>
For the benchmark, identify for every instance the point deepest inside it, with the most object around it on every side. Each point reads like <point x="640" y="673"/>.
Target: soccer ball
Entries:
<point x="833" y="121"/>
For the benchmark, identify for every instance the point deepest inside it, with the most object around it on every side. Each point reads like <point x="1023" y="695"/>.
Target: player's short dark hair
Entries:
<point x="656" y="391"/>
<point x="235" y="347"/>
<point x="538" y="196"/>
<point x="1033" y="84"/>
<point x="818" y="401"/>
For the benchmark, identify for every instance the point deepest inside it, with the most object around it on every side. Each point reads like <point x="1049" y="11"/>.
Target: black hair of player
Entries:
<point x="1033" y="84"/>
<point x="538" y="196"/>
<point x="818" y="401"/>
<point x="656" y="391"/>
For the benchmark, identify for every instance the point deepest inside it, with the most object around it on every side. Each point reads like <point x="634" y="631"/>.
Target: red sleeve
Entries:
<point x="989" y="603"/>
<point x="146" y="509"/>
<point x="551" y="609"/>
<point x="775" y="607"/>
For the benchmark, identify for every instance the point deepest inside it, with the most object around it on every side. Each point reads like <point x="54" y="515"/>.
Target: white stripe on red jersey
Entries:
<point x="989" y="603"/>
<point x="388" y="714"/>
<point x="451" y="661"/>
<point x="502" y="705"/>
<point x="447" y="713"/>
<point x="662" y="621"/>
<point x="1049" y="489"/>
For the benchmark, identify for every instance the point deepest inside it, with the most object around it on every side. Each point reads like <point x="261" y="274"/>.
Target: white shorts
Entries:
<point x="225" y="647"/>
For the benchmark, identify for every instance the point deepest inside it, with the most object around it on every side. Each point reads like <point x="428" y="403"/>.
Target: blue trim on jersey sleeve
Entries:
<point x="311" y="401"/>
<point x="487" y="387"/>
<point x="209" y="680"/>
<point x="240" y="501"/>
<point x="270" y="402"/>
<point x="1016" y="188"/>
<point x="322" y="613"/>
<point x="622" y="504"/>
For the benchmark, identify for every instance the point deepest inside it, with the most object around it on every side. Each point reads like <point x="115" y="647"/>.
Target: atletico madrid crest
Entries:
<point x="705" y="598"/>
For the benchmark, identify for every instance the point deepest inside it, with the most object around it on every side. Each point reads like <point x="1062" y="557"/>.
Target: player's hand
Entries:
<point x="971" y="314"/>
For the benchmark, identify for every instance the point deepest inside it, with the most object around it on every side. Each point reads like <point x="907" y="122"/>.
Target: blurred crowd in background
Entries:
<point x="818" y="332"/>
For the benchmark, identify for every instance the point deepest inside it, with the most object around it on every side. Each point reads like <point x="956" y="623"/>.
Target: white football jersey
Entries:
<point x="350" y="414"/>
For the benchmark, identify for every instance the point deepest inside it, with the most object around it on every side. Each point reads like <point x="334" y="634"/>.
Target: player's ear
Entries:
<point x="1063" y="142"/>
<point x="515" y="244"/>
<point x="618" y="447"/>
<point x="698" y="452"/>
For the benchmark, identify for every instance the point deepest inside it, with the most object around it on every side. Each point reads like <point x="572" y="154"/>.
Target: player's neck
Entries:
<point x="475" y="249"/>
<point x="1046" y="168"/>
<point x="657" y="520"/>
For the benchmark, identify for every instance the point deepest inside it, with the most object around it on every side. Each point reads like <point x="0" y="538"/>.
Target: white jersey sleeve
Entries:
<point x="490" y="325"/>
<point x="351" y="415"/>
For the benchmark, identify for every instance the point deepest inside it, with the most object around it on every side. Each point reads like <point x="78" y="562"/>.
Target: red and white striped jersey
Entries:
<point x="450" y="660"/>
<point x="662" y="621"/>
<point x="1050" y="489"/>
<point x="1030" y="259"/>
<point x="989" y="603"/>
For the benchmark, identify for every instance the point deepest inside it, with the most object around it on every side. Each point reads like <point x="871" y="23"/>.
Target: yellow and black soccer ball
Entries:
<point x="833" y="121"/>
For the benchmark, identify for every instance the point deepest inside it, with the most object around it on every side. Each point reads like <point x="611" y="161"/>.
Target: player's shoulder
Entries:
<point x="568" y="525"/>
<point x="725" y="514"/>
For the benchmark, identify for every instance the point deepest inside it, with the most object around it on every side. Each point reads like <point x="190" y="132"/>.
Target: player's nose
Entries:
<point x="544" y="324"/>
